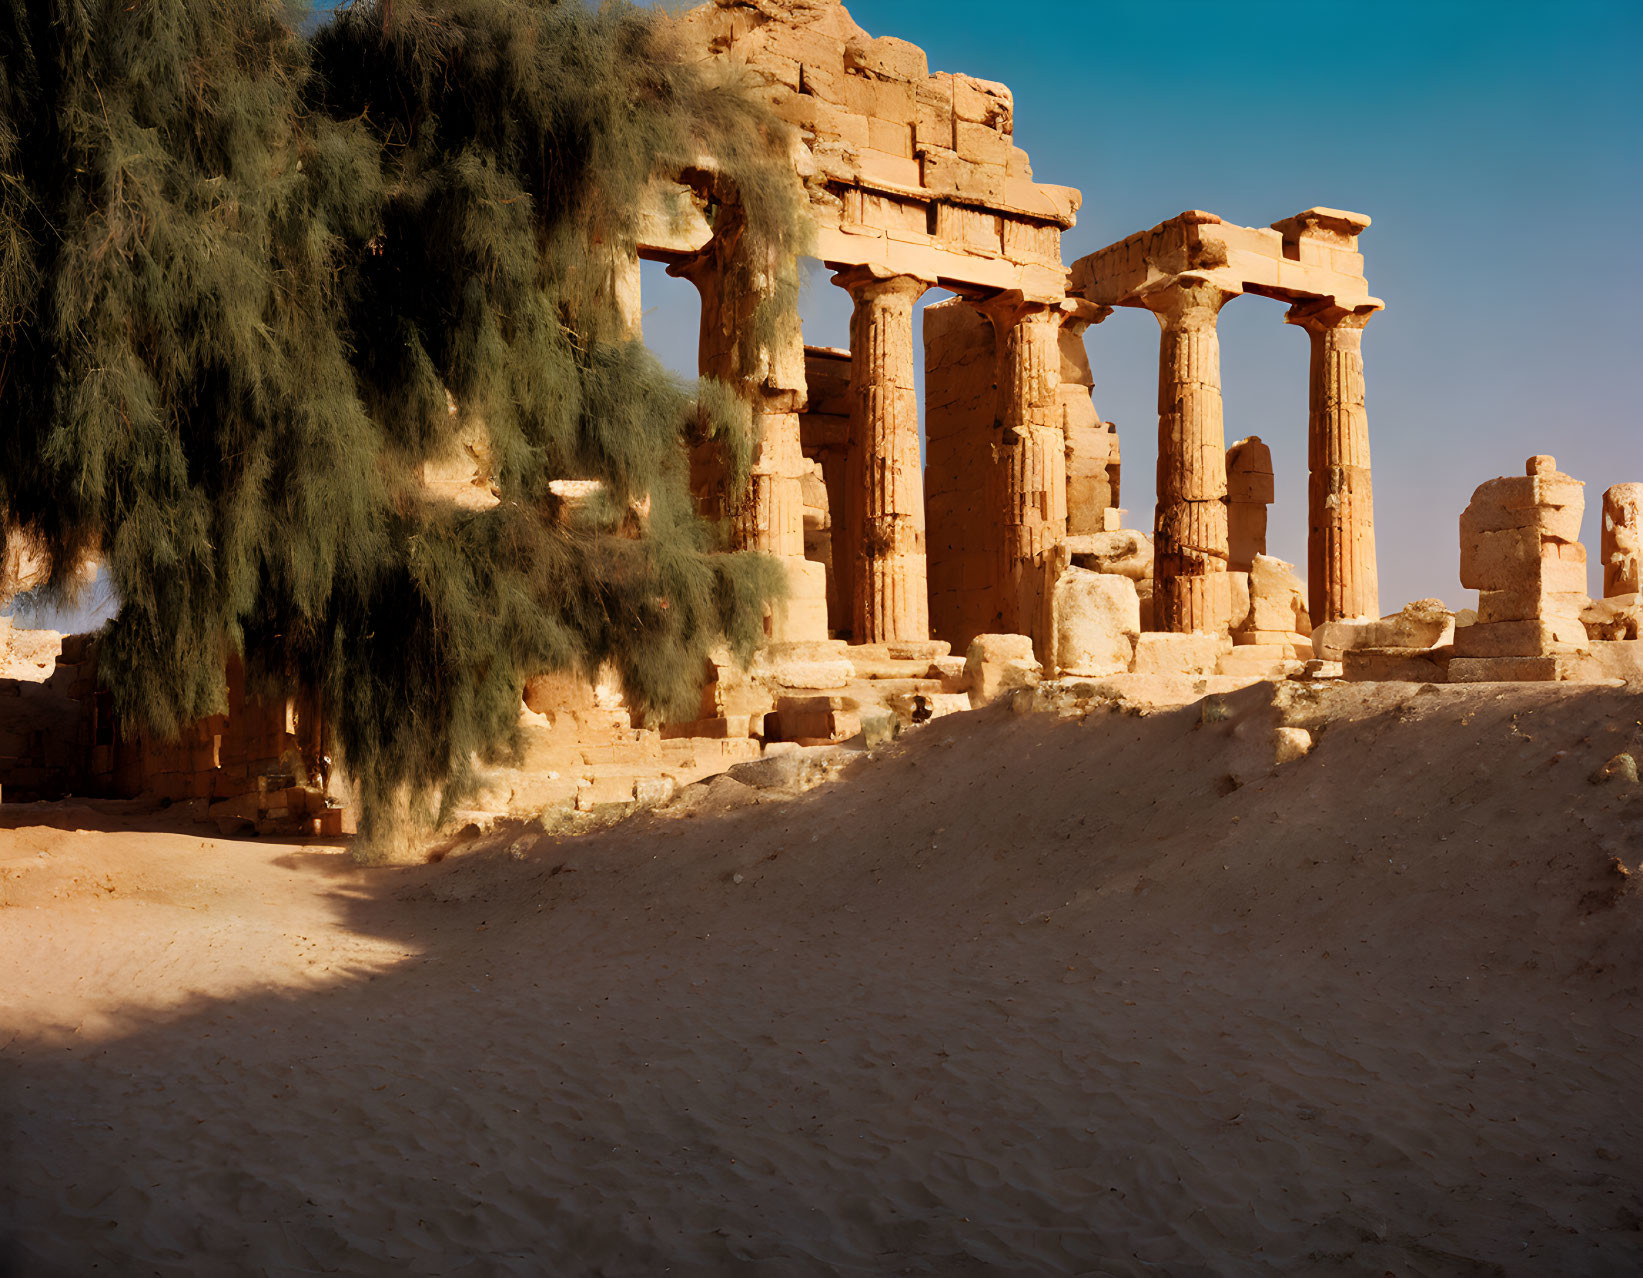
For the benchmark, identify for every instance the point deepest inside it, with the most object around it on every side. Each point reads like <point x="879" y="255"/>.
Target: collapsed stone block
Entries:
<point x="1160" y="652"/>
<point x="1622" y="540"/>
<point x="1617" y="617"/>
<point x="1520" y="549"/>
<point x="999" y="664"/>
<point x="1097" y="619"/>
<point x="1277" y="599"/>
<point x="1426" y="623"/>
<point x="1126" y="552"/>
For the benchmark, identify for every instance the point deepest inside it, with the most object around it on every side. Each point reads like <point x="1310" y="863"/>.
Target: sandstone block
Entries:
<point x="1520" y="558"/>
<point x="1613" y="659"/>
<point x="1528" y="605"/>
<point x="1291" y="744"/>
<point x="1617" y="617"/>
<point x="1097" y="619"/>
<point x="980" y="144"/>
<point x="1426" y="623"/>
<point x="1158" y="652"/>
<point x="1547" y="669"/>
<point x="887" y="58"/>
<point x="998" y="664"/>
<point x="1259" y="661"/>
<point x="1126" y="552"/>
<point x="1553" y="503"/>
<point x="1622" y="540"/>
<point x="1396" y="665"/>
<point x="1519" y="638"/>
<point x="1277" y="597"/>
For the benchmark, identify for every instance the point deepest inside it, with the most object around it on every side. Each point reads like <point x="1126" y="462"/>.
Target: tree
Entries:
<point x="250" y="283"/>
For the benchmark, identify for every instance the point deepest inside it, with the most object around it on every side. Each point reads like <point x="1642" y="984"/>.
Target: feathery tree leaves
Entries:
<point x="252" y="283"/>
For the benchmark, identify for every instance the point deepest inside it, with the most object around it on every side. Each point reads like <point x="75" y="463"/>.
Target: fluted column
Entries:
<point x="1341" y="574"/>
<point x="884" y="530"/>
<point x="1032" y="458"/>
<point x="751" y="341"/>
<point x="1190" y="528"/>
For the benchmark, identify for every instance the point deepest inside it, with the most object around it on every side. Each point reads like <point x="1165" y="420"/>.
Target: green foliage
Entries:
<point x="251" y="283"/>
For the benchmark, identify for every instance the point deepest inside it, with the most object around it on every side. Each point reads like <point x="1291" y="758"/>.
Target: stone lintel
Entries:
<point x="1236" y="259"/>
<point x="960" y="272"/>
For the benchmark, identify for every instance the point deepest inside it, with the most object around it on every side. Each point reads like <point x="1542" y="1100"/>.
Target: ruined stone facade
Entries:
<point x="929" y="575"/>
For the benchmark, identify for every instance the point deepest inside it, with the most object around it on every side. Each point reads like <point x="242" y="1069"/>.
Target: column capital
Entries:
<point x="1321" y="314"/>
<point x="1081" y="315"/>
<point x="1187" y="301"/>
<point x="1009" y="307"/>
<point x="870" y="283"/>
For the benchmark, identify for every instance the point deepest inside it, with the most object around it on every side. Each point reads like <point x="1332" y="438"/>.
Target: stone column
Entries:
<point x="1190" y="546"/>
<point x="1032" y="457"/>
<point x="751" y="341"/>
<point x="1341" y="573"/>
<point x="884" y="472"/>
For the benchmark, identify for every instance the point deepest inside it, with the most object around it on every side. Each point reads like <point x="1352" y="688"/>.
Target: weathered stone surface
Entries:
<point x="1551" y="668"/>
<point x="1160" y="652"/>
<point x="1097" y="619"/>
<point x="1520" y="550"/>
<point x="1520" y="638"/>
<point x="792" y="771"/>
<point x="998" y="664"/>
<point x="1290" y="744"/>
<point x="1190" y="545"/>
<point x="1125" y="552"/>
<point x="1396" y="665"/>
<point x="1617" y="617"/>
<point x="1612" y="659"/>
<point x="885" y="528"/>
<point x="1277" y="600"/>
<point x="1250" y="490"/>
<point x="1426" y="623"/>
<point x="1622" y="540"/>
<point x="1261" y="661"/>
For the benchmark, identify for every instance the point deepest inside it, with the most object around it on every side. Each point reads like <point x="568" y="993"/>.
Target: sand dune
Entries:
<point x="1025" y="996"/>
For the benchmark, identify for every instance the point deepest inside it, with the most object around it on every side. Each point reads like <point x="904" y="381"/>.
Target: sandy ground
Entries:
<point x="1023" y="996"/>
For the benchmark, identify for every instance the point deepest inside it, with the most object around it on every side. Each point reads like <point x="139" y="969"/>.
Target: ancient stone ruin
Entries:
<point x="928" y="580"/>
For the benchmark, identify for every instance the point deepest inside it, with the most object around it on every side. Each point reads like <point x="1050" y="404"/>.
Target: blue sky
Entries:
<point x="1497" y="147"/>
<point x="1495" y="144"/>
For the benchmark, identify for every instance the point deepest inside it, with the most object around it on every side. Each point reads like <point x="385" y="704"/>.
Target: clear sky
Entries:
<point x="1498" y="145"/>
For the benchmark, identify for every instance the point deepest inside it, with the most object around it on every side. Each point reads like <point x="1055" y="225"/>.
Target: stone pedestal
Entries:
<point x="1190" y="543"/>
<point x="884" y="531"/>
<point x="1032" y="456"/>
<point x="1341" y="573"/>
<point x="1520" y="550"/>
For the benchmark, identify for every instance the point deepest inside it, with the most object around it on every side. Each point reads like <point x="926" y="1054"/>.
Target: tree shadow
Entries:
<point x="970" y="1010"/>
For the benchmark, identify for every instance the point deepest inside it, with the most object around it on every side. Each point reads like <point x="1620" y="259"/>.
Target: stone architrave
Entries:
<point x="1622" y="540"/>
<point x="1341" y="572"/>
<point x="1032" y="454"/>
<point x="884" y="471"/>
<point x="1190" y="541"/>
